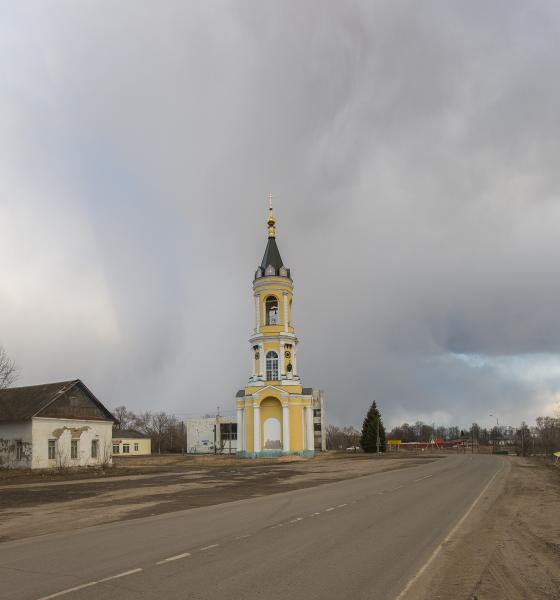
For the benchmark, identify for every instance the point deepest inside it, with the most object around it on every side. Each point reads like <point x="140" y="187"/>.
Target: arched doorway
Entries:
<point x="271" y="415"/>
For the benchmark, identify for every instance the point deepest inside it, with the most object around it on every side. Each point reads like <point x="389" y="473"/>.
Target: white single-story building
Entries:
<point x="212" y="435"/>
<point x="54" y="425"/>
<point x="131" y="442"/>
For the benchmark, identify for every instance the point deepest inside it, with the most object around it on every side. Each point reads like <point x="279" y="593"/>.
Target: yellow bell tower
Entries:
<point x="274" y="412"/>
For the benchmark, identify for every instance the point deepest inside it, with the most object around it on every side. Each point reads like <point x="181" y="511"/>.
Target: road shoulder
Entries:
<point x="508" y="547"/>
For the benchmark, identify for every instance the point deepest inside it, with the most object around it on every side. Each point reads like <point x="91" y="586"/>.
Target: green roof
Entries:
<point x="272" y="255"/>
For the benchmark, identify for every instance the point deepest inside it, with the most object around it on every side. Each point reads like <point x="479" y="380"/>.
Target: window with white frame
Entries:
<point x="19" y="450"/>
<point x="271" y="366"/>
<point x="126" y="448"/>
<point x="94" y="448"/>
<point x="136" y="447"/>
<point x="74" y="449"/>
<point x="52" y="449"/>
<point x="116" y="448"/>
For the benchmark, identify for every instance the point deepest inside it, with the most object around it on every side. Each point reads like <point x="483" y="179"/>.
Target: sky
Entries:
<point x="413" y="151"/>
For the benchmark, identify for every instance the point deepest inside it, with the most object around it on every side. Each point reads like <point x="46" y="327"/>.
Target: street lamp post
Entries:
<point x="497" y="425"/>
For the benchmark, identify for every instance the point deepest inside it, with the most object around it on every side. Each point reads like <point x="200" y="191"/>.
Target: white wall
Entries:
<point x="9" y="434"/>
<point x="63" y="431"/>
<point x="200" y="436"/>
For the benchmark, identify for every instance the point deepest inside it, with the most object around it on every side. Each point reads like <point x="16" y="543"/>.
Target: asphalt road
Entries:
<point x="359" y="538"/>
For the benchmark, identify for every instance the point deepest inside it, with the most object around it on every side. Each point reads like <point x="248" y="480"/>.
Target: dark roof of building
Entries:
<point x="272" y="255"/>
<point x="240" y="394"/>
<point x="307" y="391"/>
<point x="128" y="433"/>
<point x="22" y="403"/>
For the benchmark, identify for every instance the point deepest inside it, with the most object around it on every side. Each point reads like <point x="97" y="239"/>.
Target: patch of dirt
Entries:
<point x="509" y="547"/>
<point x="38" y="508"/>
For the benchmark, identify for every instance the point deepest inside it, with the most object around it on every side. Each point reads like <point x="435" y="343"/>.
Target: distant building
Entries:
<point x="53" y="425"/>
<point x="130" y="441"/>
<point x="212" y="435"/>
<point x="319" y="420"/>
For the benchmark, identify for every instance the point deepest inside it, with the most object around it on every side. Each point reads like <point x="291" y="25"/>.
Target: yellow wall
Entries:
<point x="271" y="399"/>
<point x="249" y="428"/>
<point x="271" y="406"/>
<point x="291" y="389"/>
<point x="296" y="428"/>
<point x="275" y="287"/>
<point x="144" y="446"/>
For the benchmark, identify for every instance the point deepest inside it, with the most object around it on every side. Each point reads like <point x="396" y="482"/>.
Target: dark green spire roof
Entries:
<point x="272" y="256"/>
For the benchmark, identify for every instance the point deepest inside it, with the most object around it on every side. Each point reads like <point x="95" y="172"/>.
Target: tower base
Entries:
<point x="274" y="454"/>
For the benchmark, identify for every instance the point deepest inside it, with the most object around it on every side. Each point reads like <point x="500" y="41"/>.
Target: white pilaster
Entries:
<point x="256" y="428"/>
<point x="309" y="441"/>
<point x="257" y="313"/>
<point x="285" y="311"/>
<point x="282" y="365"/>
<point x="240" y="430"/>
<point x="261" y="361"/>
<point x="285" y="428"/>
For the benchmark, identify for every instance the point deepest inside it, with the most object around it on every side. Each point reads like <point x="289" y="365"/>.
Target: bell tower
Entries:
<point x="274" y="412"/>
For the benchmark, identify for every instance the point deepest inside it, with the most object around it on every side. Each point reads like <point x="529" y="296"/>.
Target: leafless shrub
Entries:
<point x="9" y="371"/>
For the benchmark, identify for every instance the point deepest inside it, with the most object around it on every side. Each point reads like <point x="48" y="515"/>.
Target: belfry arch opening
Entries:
<point x="271" y="366"/>
<point x="272" y="313"/>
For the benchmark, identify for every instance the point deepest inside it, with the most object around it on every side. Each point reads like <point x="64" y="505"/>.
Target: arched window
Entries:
<point x="271" y="366"/>
<point x="271" y="307"/>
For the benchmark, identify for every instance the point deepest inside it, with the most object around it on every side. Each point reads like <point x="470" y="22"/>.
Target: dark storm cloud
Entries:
<point x="413" y="151"/>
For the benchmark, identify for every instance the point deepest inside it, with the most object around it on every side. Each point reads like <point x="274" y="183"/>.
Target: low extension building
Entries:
<point x="131" y="442"/>
<point x="54" y="425"/>
<point x="212" y="435"/>
<point x="319" y="419"/>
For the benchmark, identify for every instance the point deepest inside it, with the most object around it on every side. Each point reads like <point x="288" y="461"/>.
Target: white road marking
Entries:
<point x="279" y="525"/>
<point x="86" y="585"/>
<point x="296" y="520"/>
<point x="171" y="558"/>
<point x="315" y="514"/>
<point x="209" y="547"/>
<point x="448" y="537"/>
<point x="329" y="509"/>
<point x="426" y="477"/>
<point x="242" y="537"/>
<point x="341" y="505"/>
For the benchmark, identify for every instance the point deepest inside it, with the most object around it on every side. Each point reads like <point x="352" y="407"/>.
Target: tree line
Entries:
<point x="167" y="432"/>
<point x="541" y="439"/>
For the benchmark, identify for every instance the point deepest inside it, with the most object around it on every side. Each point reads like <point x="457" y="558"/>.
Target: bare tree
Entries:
<point x="9" y="371"/>
<point x="342" y="438"/>
<point x="125" y="418"/>
<point x="160" y="424"/>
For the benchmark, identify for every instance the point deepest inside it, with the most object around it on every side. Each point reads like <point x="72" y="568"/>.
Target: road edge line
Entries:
<point x="90" y="584"/>
<point x="447" y="538"/>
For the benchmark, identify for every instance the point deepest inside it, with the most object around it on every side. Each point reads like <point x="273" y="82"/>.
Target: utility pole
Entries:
<point x="216" y="429"/>
<point x="497" y="433"/>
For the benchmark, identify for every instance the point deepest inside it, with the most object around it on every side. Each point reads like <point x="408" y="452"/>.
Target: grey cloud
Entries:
<point x="413" y="153"/>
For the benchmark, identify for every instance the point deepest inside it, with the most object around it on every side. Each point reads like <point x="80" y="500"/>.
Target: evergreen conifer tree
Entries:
<point x="368" y="441"/>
